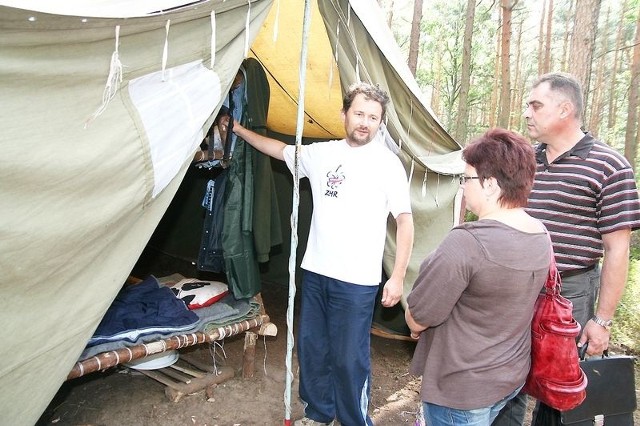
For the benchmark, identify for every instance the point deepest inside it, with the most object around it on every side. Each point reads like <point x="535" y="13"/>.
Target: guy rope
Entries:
<point x="294" y="212"/>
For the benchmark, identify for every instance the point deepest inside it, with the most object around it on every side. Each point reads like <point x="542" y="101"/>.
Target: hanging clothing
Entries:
<point x="232" y="231"/>
<point x="210" y="255"/>
<point x="267" y="230"/>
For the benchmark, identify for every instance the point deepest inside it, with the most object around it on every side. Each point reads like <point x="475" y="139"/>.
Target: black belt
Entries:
<point x="574" y="272"/>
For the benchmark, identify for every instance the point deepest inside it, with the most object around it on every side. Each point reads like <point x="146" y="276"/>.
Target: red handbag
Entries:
<point x="555" y="378"/>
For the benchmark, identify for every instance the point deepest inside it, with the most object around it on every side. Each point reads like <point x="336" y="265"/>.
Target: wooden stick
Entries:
<point x="381" y="333"/>
<point x="169" y="371"/>
<point x="249" y="357"/>
<point x="158" y="376"/>
<point x="189" y="371"/>
<point x="199" y="364"/>
<point x="105" y="360"/>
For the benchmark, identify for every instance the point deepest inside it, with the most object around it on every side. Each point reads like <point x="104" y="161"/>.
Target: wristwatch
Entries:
<point x="603" y="323"/>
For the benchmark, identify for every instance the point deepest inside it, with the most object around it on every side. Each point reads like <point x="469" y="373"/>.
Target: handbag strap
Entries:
<point x="553" y="285"/>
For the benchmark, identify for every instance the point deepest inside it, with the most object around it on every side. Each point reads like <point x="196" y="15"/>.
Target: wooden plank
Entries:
<point x="198" y="363"/>
<point x="155" y="375"/>
<point x="169" y="371"/>
<point x="190" y="371"/>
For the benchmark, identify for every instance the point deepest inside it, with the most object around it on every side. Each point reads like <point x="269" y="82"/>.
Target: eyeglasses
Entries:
<point x="464" y="179"/>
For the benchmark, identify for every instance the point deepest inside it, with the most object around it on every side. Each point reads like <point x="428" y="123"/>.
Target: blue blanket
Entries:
<point x="227" y="310"/>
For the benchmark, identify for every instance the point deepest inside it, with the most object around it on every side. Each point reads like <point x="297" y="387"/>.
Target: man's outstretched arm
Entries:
<point x="271" y="147"/>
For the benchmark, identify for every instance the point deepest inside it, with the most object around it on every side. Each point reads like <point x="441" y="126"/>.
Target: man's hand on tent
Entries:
<point x="392" y="292"/>
<point x="269" y="146"/>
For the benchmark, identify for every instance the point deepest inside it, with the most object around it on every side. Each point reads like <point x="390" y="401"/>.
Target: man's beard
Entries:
<point x="354" y="136"/>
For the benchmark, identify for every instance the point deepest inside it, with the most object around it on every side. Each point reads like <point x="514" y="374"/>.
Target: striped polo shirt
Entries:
<point x="584" y="193"/>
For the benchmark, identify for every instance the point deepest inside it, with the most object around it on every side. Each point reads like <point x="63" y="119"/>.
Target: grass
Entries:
<point x="626" y="329"/>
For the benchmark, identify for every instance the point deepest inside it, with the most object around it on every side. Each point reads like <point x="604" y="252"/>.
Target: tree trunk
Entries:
<point x="547" y="44"/>
<point x="631" y="137"/>
<point x="493" y="108"/>
<point x="565" y="42"/>
<point x="437" y="81"/>
<point x="598" y="88"/>
<point x="414" y="38"/>
<point x="462" y="118"/>
<point x="516" y="98"/>
<point x="541" y="48"/>
<point x="612" y="113"/>
<point x="505" y="72"/>
<point x="585" y="28"/>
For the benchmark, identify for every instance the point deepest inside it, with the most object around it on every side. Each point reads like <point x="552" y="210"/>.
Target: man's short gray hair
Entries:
<point x="567" y="85"/>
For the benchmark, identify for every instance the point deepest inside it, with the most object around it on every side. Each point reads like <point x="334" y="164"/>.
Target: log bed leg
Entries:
<point x="249" y="357"/>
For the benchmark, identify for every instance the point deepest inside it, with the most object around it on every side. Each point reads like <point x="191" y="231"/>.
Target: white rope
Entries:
<point x="337" y="41"/>
<point x="113" y="81"/>
<point x="294" y="212"/>
<point x="246" y="30"/>
<point x="165" y="51"/>
<point x="410" y="120"/>
<point x="276" y="23"/>
<point x="264" y="360"/>
<point x="413" y="166"/>
<point x="335" y="57"/>
<point x="424" y="183"/>
<point x="213" y="38"/>
<point x="214" y="354"/>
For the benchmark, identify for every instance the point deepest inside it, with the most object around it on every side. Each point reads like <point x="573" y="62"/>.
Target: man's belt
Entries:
<point x="574" y="272"/>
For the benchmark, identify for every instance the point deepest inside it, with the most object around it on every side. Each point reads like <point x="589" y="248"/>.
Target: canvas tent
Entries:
<point x="103" y="105"/>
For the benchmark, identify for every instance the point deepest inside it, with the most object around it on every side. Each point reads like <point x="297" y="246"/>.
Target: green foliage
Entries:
<point x="626" y="330"/>
<point x="440" y="60"/>
<point x="439" y="72"/>
<point x="470" y="216"/>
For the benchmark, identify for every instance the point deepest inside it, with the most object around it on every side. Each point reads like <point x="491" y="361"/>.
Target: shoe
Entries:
<point x="306" y="421"/>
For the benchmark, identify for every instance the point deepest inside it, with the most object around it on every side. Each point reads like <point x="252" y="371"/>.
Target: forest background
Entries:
<point x="475" y="61"/>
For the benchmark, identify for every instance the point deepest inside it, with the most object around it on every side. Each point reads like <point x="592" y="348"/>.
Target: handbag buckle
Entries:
<point x="598" y="420"/>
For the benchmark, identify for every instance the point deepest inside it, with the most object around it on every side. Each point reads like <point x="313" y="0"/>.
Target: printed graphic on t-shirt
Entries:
<point x="334" y="180"/>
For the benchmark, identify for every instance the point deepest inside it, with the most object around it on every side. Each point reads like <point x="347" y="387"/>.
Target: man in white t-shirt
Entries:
<point x="355" y="185"/>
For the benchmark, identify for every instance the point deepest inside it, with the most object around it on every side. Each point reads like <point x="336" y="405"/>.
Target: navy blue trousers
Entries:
<point x="334" y="349"/>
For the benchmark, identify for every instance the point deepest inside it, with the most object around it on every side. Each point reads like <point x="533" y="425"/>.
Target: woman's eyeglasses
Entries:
<point x="464" y="179"/>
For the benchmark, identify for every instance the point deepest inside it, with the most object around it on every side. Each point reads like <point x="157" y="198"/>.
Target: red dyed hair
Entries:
<point x="509" y="158"/>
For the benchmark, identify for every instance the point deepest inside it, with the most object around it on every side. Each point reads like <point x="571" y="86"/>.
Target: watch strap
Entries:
<point x="601" y="322"/>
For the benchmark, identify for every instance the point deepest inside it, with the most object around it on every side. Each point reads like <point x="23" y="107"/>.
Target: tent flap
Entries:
<point x="81" y="196"/>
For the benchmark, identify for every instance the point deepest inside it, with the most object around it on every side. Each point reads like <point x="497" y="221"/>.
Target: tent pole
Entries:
<point x="294" y="211"/>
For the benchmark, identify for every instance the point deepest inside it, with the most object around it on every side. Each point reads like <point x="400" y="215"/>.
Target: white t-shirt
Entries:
<point x="354" y="190"/>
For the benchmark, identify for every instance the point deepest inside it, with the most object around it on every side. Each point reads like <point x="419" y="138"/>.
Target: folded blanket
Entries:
<point x="227" y="310"/>
<point x="143" y="309"/>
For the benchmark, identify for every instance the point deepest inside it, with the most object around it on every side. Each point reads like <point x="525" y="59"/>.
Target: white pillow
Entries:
<point x="199" y="294"/>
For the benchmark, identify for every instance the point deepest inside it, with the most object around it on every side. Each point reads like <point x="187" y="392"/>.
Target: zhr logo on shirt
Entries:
<point x="334" y="180"/>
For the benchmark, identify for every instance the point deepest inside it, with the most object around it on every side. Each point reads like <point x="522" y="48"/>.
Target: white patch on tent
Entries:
<point x="173" y="113"/>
